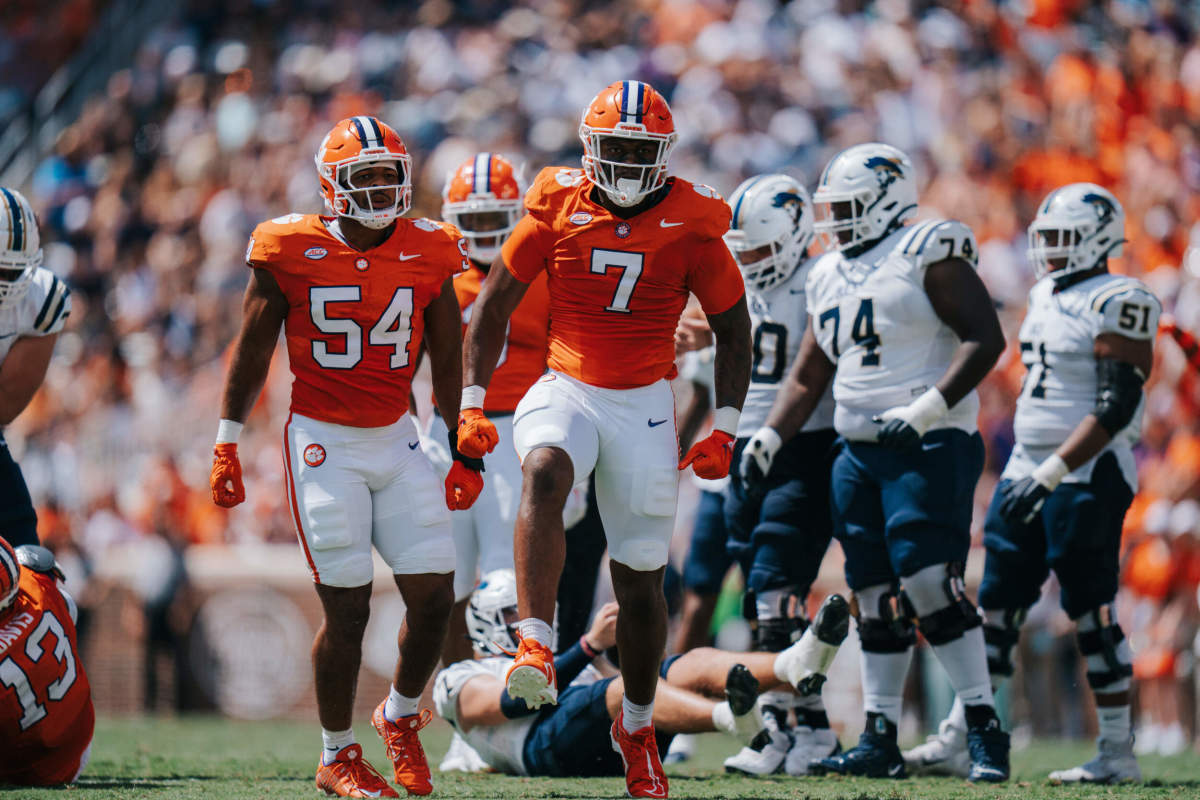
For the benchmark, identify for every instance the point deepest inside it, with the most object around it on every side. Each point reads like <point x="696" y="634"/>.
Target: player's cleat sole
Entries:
<point x="530" y="684"/>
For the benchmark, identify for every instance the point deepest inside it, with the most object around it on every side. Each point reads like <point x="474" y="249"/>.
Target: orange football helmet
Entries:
<point x="354" y="142"/>
<point x="482" y="198"/>
<point x="10" y="574"/>
<point x="629" y="110"/>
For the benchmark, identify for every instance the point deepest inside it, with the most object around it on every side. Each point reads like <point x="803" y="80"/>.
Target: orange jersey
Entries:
<point x="46" y="714"/>
<point x="356" y="318"/>
<point x="617" y="287"/>
<point x="523" y="359"/>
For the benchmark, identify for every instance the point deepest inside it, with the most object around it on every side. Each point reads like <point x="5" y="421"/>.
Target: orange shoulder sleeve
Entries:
<point x="264" y="246"/>
<point x="714" y="276"/>
<point x="527" y="248"/>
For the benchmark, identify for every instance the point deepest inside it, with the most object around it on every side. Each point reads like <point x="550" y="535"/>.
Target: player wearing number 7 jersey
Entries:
<point x="623" y="244"/>
<point x="903" y="326"/>
<point x="46" y="714"/>
<point x="356" y="293"/>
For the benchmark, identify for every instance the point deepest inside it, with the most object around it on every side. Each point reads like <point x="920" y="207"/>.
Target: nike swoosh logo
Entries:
<point x="413" y="445"/>
<point x="407" y="257"/>
<point x="893" y="771"/>
<point x="664" y="224"/>
<point x="654" y="424"/>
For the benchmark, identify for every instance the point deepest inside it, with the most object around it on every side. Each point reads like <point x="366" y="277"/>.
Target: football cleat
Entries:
<point x="875" y="756"/>
<point x="944" y="753"/>
<point x="404" y="749"/>
<point x="461" y="757"/>
<point x="988" y="747"/>
<point x="809" y="745"/>
<point x="349" y="775"/>
<point x="765" y="756"/>
<point x="1114" y="763"/>
<point x="532" y="677"/>
<point x="644" y="775"/>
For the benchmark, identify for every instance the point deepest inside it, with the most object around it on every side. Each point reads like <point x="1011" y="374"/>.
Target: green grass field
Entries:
<point x="207" y="757"/>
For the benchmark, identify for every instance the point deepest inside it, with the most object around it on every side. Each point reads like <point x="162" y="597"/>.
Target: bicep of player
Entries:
<point x="731" y="330"/>
<point x="807" y="380"/>
<point x="443" y="339"/>
<point x="479" y="702"/>
<point x="485" y="339"/>
<point x="962" y="302"/>
<point x="22" y="373"/>
<point x="714" y="277"/>
<point x="264" y="308"/>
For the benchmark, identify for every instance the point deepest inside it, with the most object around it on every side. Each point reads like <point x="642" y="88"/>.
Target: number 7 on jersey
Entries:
<point x="630" y="265"/>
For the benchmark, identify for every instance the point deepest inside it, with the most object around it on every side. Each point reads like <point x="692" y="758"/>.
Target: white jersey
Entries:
<point x="43" y="310"/>
<point x="778" y="317"/>
<point x="1057" y="340"/>
<point x="874" y="321"/>
<point x="502" y="746"/>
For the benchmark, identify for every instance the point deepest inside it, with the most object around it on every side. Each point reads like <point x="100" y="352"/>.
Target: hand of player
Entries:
<point x="476" y="434"/>
<point x="603" y="633"/>
<point x="757" y="457"/>
<point x="903" y="426"/>
<point x="226" y="477"/>
<point x="463" y="486"/>
<point x="709" y="458"/>
<point x="1020" y="501"/>
<point x="692" y="333"/>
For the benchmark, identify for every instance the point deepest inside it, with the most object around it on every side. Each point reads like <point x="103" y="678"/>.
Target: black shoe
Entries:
<point x="875" y="756"/>
<point x="741" y="689"/>
<point x="832" y="622"/>
<point x="988" y="747"/>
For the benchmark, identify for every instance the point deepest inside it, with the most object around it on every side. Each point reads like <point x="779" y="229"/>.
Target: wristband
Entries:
<point x="228" y="431"/>
<point x="1050" y="472"/>
<point x="927" y="409"/>
<point x="726" y="419"/>
<point x="587" y="648"/>
<point x="472" y="397"/>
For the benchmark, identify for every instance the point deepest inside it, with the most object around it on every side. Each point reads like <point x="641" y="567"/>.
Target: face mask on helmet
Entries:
<point x="627" y="133"/>
<point x="492" y="614"/>
<point x="865" y="192"/>
<point x="20" y="246"/>
<point x="771" y="229"/>
<point x="482" y="198"/>
<point x="1077" y="227"/>
<point x="365" y="172"/>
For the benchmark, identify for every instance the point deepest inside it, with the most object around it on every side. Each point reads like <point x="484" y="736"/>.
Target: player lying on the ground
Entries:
<point x="46" y="715"/>
<point x="574" y="737"/>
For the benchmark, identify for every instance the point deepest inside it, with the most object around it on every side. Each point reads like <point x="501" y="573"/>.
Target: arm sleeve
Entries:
<point x="570" y="663"/>
<point x="527" y="248"/>
<point x="714" y="277"/>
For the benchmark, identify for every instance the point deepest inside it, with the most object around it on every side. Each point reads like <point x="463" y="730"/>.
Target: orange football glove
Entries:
<point x="226" y="478"/>
<point x="476" y="434"/>
<point x="710" y="457"/>
<point x="463" y="486"/>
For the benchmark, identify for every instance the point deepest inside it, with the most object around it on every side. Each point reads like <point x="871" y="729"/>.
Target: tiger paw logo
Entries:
<point x="623" y="230"/>
<point x="361" y="264"/>
<point x="314" y="455"/>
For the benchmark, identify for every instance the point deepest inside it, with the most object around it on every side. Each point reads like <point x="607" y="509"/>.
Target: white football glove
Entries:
<point x="903" y="426"/>
<point x="757" y="456"/>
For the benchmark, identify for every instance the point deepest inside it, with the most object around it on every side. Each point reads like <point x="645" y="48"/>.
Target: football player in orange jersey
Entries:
<point x="356" y="293"/>
<point x="46" y="714"/>
<point x="623" y="244"/>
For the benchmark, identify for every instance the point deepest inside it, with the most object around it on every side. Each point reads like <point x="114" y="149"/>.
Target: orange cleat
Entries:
<point x="532" y="677"/>
<point x="644" y="776"/>
<point x="404" y="748"/>
<point x="351" y="776"/>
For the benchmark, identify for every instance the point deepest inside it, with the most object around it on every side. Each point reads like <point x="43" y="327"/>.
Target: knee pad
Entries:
<point x="1001" y="630"/>
<point x="641" y="555"/>
<point x="885" y="619"/>
<point x="949" y="622"/>
<point x="1103" y="645"/>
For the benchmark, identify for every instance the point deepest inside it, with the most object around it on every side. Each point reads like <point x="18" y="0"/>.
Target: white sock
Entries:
<point x="768" y="604"/>
<point x="634" y="717"/>
<point x="965" y="662"/>
<point x="536" y="629"/>
<point x="883" y="677"/>
<point x="958" y="713"/>
<point x="332" y="743"/>
<point x="400" y="706"/>
<point x="722" y="717"/>
<point x="1115" y="723"/>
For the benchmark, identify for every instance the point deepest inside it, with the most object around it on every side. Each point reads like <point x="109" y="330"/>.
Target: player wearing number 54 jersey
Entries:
<point x="356" y="293"/>
<point x="903" y="326"/>
<point x="46" y="715"/>
<point x="623" y="245"/>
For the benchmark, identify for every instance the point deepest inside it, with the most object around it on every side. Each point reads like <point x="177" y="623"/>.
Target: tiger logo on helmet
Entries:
<point x="10" y="574"/>
<point x="355" y="144"/>
<point x="627" y="110"/>
<point x="20" y="246"/>
<point x="482" y="198"/>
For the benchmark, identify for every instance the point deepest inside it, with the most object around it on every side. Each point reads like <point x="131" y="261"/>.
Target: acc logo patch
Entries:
<point x="361" y="264"/>
<point x="316" y="253"/>
<point x="623" y="230"/>
<point x="569" y="177"/>
<point x="580" y="218"/>
<point x="314" y="455"/>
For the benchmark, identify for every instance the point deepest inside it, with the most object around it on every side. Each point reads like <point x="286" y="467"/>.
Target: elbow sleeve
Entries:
<point x="1118" y="393"/>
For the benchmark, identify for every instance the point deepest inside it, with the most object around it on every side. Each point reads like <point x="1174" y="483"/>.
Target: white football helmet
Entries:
<point x="1079" y="225"/>
<point x="493" y="604"/>
<point x="20" y="245"/>
<point x="864" y="193"/>
<point x="771" y="229"/>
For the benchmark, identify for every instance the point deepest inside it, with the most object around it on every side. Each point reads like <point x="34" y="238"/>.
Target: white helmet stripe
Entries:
<point x="481" y="173"/>
<point x="368" y="131"/>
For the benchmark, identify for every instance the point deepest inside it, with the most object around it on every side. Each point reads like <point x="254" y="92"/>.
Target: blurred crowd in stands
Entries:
<point x="147" y="201"/>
